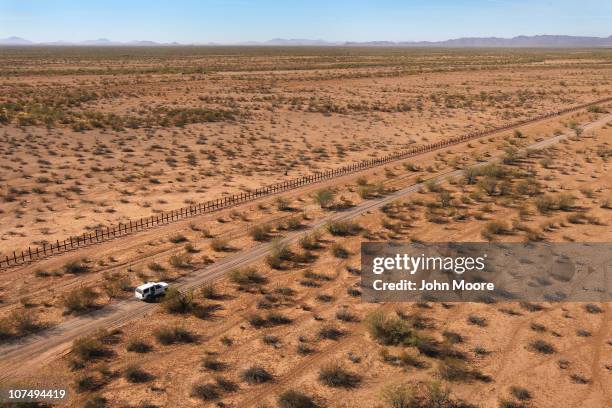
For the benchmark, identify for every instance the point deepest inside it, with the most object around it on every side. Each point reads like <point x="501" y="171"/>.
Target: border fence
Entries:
<point x="122" y="229"/>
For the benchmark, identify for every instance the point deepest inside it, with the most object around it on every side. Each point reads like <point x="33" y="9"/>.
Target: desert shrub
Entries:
<point x="156" y="267"/>
<point x="346" y="316"/>
<point x="324" y="197"/>
<point x="90" y="348"/>
<point x="260" y="233"/>
<point x="256" y="375"/>
<point x="387" y="329"/>
<point x="272" y="319"/>
<point x="566" y="202"/>
<point x="330" y="332"/>
<point x="87" y="383"/>
<point x="546" y="204"/>
<point x="304" y="349"/>
<point x="541" y="346"/>
<point x="432" y="395"/>
<point x="19" y="323"/>
<point x="351" y="291"/>
<point x="295" y="399"/>
<point x="520" y="393"/>
<point x="174" y="335"/>
<point x="310" y="242"/>
<point x="495" y="228"/>
<point x="213" y="364"/>
<point x="80" y="300"/>
<point x="531" y="307"/>
<point x="399" y="396"/>
<point x="257" y="321"/>
<point x="276" y="319"/>
<point x="219" y="244"/>
<point x="343" y="228"/>
<point x="138" y="346"/>
<point x="579" y="379"/>
<point x="116" y="284"/>
<point x="596" y="109"/>
<point x="279" y="253"/>
<point x="583" y="333"/>
<point x="453" y="370"/>
<point x="591" y="308"/>
<point x="178" y="238"/>
<point x="452" y="337"/>
<point x="76" y="267"/>
<point x="324" y="297"/>
<point x="334" y="375"/>
<point x="135" y="374"/>
<point x="283" y="204"/>
<point x="226" y="385"/>
<point x="270" y="339"/>
<point x="205" y="392"/>
<point x="477" y="320"/>
<point x="182" y="261"/>
<point x="340" y="251"/>
<point x="96" y="401"/>
<point x="247" y="276"/>
<point x="6" y="330"/>
<point x="293" y="224"/>
<point x="178" y="302"/>
<point x="209" y="291"/>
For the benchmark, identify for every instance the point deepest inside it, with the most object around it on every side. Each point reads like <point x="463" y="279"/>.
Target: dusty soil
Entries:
<point x="83" y="147"/>
<point x="313" y="288"/>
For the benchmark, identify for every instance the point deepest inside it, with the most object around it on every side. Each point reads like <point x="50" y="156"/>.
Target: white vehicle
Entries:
<point x="150" y="290"/>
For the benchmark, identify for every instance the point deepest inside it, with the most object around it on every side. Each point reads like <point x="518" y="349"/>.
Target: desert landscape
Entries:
<point x="264" y="307"/>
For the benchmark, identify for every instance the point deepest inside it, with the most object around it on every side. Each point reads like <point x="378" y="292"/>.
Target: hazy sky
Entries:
<point x="190" y="21"/>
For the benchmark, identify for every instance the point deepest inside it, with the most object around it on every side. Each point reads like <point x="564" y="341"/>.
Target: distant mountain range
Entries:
<point x="536" y="41"/>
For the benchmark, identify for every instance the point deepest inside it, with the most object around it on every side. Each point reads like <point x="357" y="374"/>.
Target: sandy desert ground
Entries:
<point x="95" y="138"/>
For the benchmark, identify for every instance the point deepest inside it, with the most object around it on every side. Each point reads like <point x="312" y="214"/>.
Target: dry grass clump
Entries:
<point x="138" y="346"/>
<point x="220" y="245"/>
<point x="452" y="369"/>
<point x="260" y="233"/>
<point x="541" y="346"/>
<point x="174" y="335"/>
<point x="247" y="276"/>
<point x="387" y="329"/>
<point x="134" y="374"/>
<point x="80" y="300"/>
<point x="91" y="348"/>
<point x="205" y="392"/>
<point x="213" y="364"/>
<point x="178" y="238"/>
<point x="343" y="228"/>
<point x="324" y="197"/>
<point x="311" y="241"/>
<point x="295" y="399"/>
<point x="256" y="374"/>
<point x="340" y="251"/>
<point x="281" y="255"/>
<point x="272" y="319"/>
<point x="430" y="395"/>
<point x="18" y="324"/>
<point x="330" y="332"/>
<point x="335" y="375"/>
<point x="178" y="302"/>
<point x="76" y="267"/>
<point x="181" y="261"/>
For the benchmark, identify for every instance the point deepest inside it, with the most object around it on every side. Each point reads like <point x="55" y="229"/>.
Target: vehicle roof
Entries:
<point x="150" y="284"/>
